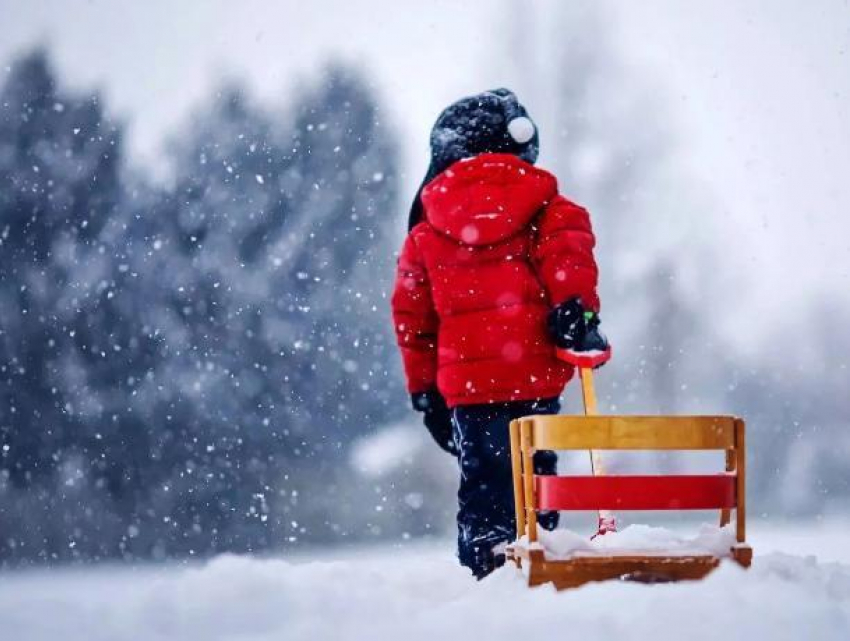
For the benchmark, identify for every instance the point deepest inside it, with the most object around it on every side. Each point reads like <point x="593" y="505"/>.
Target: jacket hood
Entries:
<point x="485" y="199"/>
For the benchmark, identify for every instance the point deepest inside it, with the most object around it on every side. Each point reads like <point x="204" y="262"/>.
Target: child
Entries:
<point x="497" y="269"/>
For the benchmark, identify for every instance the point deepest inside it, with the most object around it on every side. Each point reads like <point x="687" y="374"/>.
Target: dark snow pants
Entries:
<point x="485" y="516"/>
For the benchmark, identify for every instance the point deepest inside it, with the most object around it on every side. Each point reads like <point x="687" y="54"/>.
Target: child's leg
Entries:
<point x="485" y="493"/>
<point x="485" y="498"/>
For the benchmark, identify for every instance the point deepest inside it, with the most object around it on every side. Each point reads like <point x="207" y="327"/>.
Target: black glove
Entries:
<point x="437" y="418"/>
<point x="575" y="329"/>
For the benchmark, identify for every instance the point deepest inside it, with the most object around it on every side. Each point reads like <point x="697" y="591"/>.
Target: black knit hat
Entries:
<point x="490" y="122"/>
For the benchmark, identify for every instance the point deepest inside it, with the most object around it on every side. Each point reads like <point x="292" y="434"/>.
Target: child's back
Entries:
<point x="479" y="276"/>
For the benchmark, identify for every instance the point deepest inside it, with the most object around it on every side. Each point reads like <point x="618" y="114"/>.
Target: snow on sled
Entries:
<point x="532" y="492"/>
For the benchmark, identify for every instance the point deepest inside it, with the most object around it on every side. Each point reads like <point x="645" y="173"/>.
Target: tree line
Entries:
<point x="181" y="365"/>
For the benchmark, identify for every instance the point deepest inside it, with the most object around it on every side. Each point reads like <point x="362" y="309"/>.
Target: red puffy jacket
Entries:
<point x="497" y="250"/>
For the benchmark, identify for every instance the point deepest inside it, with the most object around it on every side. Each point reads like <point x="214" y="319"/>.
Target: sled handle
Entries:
<point x="582" y="360"/>
<point x="585" y="362"/>
<point x="588" y="393"/>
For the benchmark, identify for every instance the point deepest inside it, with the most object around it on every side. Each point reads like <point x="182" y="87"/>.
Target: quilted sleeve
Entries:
<point x="416" y="321"/>
<point x="563" y="254"/>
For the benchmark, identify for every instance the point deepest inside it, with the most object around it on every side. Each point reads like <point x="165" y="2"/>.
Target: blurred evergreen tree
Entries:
<point x="178" y="364"/>
<point x="59" y="186"/>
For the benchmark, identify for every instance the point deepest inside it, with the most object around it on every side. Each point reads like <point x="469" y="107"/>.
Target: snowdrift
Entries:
<point x="418" y="593"/>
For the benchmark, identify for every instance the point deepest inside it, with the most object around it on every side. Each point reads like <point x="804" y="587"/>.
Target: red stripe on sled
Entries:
<point x="675" y="492"/>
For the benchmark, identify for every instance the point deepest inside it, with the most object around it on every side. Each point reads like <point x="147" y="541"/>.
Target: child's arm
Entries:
<point x="415" y="319"/>
<point x="563" y="254"/>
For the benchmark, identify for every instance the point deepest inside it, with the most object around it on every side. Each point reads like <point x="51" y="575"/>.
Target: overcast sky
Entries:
<point x="759" y="91"/>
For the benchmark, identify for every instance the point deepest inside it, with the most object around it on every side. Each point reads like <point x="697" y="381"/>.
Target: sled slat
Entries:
<point x="636" y="492"/>
<point x="731" y="462"/>
<point x="516" y="471"/>
<point x="633" y="432"/>
<point x="741" y="490"/>
<point x="575" y="571"/>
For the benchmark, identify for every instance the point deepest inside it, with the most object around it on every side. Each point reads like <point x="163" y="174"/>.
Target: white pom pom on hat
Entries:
<point x="521" y="129"/>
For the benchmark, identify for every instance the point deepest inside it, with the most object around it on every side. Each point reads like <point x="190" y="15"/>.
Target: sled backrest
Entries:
<point x="724" y="491"/>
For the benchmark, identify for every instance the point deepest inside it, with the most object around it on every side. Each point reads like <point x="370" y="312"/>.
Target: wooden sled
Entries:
<point x="724" y="491"/>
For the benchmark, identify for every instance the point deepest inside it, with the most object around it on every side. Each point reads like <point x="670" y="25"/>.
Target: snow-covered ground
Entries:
<point x="417" y="592"/>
